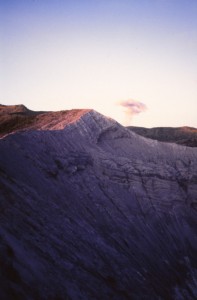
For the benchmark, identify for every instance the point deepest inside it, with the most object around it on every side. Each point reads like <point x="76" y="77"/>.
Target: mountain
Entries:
<point x="91" y="210"/>
<point x="181" y="135"/>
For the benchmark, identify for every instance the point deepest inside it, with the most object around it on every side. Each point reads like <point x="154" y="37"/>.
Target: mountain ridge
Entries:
<point x="185" y="135"/>
<point x="15" y="118"/>
<point x="18" y="117"/>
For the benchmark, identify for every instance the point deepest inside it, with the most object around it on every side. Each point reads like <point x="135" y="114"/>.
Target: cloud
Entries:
<point x="131" y="108"/>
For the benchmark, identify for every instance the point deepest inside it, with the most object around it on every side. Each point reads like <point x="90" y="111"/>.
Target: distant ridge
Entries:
<point x="186" y="136"/>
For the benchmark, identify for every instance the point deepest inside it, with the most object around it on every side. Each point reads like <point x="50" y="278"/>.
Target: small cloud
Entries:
<point x="132" y="107"/>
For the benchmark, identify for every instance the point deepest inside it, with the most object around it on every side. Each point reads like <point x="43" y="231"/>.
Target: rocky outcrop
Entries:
<point x="91" y="210"/>
<point x="186" y="136"/>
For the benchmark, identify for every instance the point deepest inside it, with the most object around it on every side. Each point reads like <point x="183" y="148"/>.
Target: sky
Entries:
<point x="100" y="54"/>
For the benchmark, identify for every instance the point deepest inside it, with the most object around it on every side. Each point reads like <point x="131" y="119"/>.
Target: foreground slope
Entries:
<point x="90" y="210"/>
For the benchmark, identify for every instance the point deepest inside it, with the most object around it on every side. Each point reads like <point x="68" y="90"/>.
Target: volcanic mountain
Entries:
<point x="92" y="210"/>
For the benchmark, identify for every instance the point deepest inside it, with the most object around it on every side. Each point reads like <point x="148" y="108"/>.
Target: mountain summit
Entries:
<point x="92" y="210"/>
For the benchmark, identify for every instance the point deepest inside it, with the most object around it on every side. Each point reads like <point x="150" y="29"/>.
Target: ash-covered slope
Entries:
<point x="186" y="136"/>
<point x="94" y="211"/>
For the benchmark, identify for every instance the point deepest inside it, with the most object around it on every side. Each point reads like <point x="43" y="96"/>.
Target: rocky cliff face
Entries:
<point x="91" y="210"/>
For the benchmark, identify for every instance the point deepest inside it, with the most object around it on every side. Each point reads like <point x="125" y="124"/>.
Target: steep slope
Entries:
<point x="181" y="135"/>
<point x="94" y="211"/>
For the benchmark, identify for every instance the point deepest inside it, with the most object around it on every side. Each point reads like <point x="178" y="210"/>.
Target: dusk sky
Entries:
<point x="63" y="54"/>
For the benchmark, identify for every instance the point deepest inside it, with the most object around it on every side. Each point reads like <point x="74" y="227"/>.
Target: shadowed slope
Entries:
<point x="95" y="211"/>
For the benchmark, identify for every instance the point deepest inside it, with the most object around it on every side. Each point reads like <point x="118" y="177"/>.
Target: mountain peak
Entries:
<point x="12" y="109"/>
